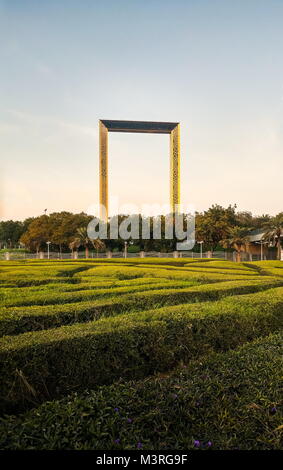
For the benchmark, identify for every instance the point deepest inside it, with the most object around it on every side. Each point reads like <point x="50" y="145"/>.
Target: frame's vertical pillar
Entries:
<point x="175" y="168"/>
<point x="103" y="171"/>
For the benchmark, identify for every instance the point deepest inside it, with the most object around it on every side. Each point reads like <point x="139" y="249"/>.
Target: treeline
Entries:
<point x="216" y="227"/>
<point x="59" y="228"/>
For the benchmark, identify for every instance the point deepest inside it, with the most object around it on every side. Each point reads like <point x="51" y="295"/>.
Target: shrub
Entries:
<point x="40" y="365"/>
<point x="91" y="305"/>
<point x="226" y="401"/>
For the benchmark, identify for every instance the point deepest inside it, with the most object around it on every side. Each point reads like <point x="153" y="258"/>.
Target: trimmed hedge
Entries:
<point x="221" y="265"/>
<point x="31" y="318"/>
<point x="34" y="273"/>
<point x="227" y="401"/>
<point x="39" y="272"/>
<point x="41" y="365"/>
<point x="169" y="272"/>
<point x="88" y="291"/>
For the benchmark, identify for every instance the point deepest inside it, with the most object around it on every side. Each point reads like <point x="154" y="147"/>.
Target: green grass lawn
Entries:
<point x="154" y="353"/>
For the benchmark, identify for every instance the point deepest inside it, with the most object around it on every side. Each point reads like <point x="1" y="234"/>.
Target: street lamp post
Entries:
<point x="200" y="243"/>
<point x="126" y="248"/>
<point x="48" y="253"/>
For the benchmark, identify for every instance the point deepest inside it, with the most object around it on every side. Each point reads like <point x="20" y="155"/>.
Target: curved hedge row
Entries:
<point x="227" y="401"/>
<point x="76" y="294"/>
<point x="97" y="303"/>
<point x="43" y="365"/>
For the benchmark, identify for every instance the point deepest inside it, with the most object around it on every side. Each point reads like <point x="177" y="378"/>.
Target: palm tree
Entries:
<point x="274" y="232"/>
<point x="82" y="238"/>
<point x="237" y="238"/>
<point x="74" y="245"/>
<point x="98" y="244"/>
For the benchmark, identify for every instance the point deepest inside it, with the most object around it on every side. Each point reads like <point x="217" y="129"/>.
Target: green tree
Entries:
<point x="11" y="232"/>
<point x="64" y="227"/>
<point x="274" y="232"/>
<point x="98" y="245"/>
<point x="74" y="245"/>
<point x="83" y="239"/>
<point x="260" y="221"/>
<point x="237" y="238"/>
<point x="244" y="219"/>
<point x="213" y="225"/>
<point x="37" y="234"/>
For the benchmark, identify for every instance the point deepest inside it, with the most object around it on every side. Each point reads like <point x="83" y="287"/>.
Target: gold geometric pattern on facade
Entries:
<point x="175" y="168"/>
<point x="172" y="128"/>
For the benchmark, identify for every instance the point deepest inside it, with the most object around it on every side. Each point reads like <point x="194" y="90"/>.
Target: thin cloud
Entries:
<point x="35" y="120"/>
<point x="45" y="70"/>
<point x="8" y="128"/>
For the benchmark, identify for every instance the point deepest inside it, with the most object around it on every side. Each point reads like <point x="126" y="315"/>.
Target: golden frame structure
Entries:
<point x="172" y="128"/>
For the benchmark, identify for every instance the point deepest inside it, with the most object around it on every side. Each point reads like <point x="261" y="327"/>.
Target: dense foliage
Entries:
<point x="225" y="401"/>
<point x="110" y="334"/>
<point x="65" y="231"/>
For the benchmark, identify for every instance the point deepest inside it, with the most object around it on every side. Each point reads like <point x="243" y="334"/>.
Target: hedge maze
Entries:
<point x="141" y="353"/>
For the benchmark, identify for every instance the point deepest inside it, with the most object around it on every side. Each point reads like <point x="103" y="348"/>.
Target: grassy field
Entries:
<point x="140" y="353"/>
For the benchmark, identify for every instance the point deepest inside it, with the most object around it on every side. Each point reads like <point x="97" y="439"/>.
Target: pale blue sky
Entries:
<point x="213" y="65"/>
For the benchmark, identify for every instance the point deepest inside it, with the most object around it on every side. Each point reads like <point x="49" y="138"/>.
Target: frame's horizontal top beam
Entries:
<point x="140" y="126"/>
